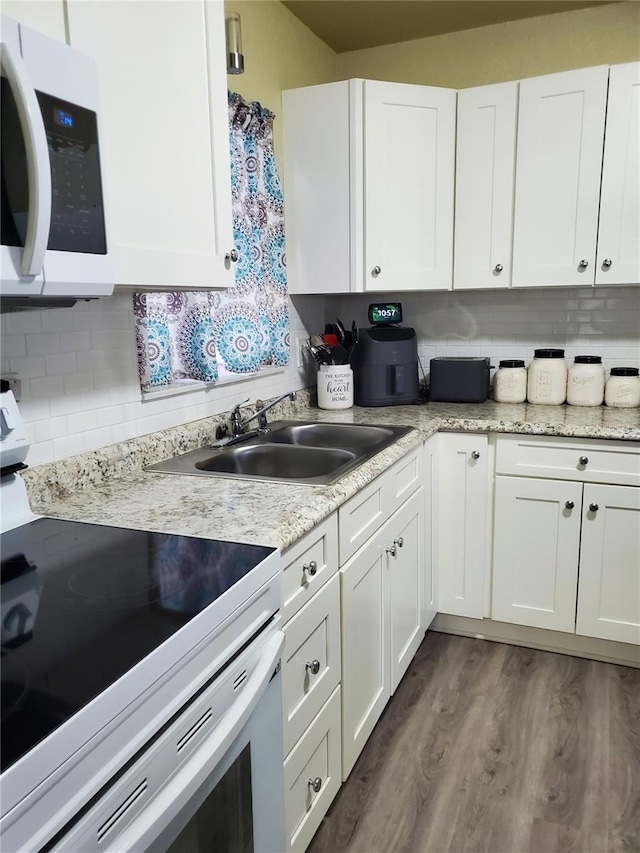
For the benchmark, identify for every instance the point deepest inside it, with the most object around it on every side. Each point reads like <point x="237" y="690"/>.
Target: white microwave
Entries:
<point x="55" y="245"/>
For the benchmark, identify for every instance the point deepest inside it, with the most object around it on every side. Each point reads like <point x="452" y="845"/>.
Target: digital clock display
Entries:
<point x="63" y="118"/>
<point x="383" y="313"/>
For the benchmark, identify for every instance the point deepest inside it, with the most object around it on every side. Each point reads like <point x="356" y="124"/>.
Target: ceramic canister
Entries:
<point x="335" y="386"/>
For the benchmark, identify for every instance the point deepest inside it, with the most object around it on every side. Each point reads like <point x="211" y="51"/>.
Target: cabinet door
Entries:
<point x="535" y="558"/>
<point x="560" y="138"/>
<point x="429" y="575"/>
<point x="170" y="221"/>
<point x="619" y="227"/>
<point x="409" y="150"/>
<point x="365" y="646"/>
<point x="462" y="519"/>
<point x="405" y="567"/>
<point x="485" y="160"/>
<point x="609" y="589"/>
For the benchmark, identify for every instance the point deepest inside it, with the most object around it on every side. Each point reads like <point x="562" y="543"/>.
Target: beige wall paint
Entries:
<point x="280" y="53"/>
<point x="511" y="51"/>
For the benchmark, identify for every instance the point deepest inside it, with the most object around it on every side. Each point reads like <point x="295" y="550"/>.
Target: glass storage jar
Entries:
<point x="547" y="377"/>
<point x="510" y="383"/>
<point x="585" y="383"/>
<point x="623" y="388"/>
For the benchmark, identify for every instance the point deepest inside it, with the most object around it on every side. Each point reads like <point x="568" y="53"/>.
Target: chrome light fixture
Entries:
<point x="233" y="34"/>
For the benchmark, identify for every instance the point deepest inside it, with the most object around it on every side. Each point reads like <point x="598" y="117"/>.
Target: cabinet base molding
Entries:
<point x="606" y="651"/>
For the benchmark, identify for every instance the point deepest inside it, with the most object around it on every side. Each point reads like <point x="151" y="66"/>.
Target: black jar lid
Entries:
<point x="625" y="371"/>
<point x="548" y="353"/>
<point x="512" y="362"/>
<point x="588" y="359"/>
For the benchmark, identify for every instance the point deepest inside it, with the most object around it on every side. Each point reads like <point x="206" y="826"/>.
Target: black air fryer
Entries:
<point x="385" y="360"/>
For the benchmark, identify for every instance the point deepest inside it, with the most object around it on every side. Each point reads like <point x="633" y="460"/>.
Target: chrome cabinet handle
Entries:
<point x="399" y="541"/>
<point x="606" y="263"/>
<point x="584" y="460"/>
<point x="315" y="784"/>
<point x="583" y="264"/>
<point x="232" y="256"/>
<point x="569" y="505"/>
<point x="310" y="568"/>
<point x="498" y="268"/>
<point x="594" y="507"/>
<point x="475" y="455"/>
<point x="376" y="270"/>
<point x="392" y="550"/>
<point x="313" y="666"/>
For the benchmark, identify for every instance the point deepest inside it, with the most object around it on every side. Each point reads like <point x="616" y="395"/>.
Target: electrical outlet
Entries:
<point x="15" y="385"/>
<point x="301" y="348"/>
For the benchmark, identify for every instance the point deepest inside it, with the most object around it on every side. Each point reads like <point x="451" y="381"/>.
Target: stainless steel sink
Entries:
<point x="308" y="453"/>
<point x="352" y="436"/>
<point x="277" y="461"/>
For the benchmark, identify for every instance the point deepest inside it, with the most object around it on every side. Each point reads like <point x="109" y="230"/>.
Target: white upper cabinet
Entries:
<point x="409" y="135"/>
<point x="560" y="138"/>
<point x="485" y="163"/>
<point x="369" y="183"/>
<point x="618" y="259"/>
<point x="166" y="140"/>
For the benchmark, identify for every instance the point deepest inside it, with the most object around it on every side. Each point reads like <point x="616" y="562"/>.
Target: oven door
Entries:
<point x="212" y="780"/>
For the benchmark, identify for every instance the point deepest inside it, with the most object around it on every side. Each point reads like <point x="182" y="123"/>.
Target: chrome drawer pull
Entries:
<point x="594" y="507"/>
<point x="315" y="784"/>
<point x="399" y="541"/>
<point x="584" y="460"/>
<point x="313" y="667"/>
<point x="310" y="568"/>
<point x="569" y="505"/>
<point x="392" y="550"/>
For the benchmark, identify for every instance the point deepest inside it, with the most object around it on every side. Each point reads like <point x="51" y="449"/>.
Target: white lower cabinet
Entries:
<point x="312" y="775"/>
<point x="461" y="516"/>
<point x="311" y="668"/>
<point x="567" y="550"/>
<point x="609" y="589"/>
<point x="382" y="626"/>
<point x="535" y="558"/>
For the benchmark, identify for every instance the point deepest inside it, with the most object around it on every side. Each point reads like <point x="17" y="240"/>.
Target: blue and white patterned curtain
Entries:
<point x="206" y="335"/>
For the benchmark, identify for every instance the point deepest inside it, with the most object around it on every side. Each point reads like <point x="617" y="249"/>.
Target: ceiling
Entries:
<point x="355" y="24"/>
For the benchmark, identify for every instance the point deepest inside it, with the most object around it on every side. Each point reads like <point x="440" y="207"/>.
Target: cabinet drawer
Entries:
<point x="315" y="756"/>
<point x="312" y="637"/>
<point x="361" y="516"/>
<point x="308" y="564"/>
<point x="616" y="462"/>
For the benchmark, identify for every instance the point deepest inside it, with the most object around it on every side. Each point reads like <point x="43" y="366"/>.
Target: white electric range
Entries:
<point x="141" y="695"/>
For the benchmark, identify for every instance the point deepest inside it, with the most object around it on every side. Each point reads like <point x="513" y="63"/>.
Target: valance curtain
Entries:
<point x="207" y="335"/>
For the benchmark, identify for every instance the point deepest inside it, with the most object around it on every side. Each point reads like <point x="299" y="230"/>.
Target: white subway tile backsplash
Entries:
<point x="81" y="422"/>
<point x="50" y="388"/>
<point x="51" y="428"/>
<point x="61" y="364"/>
<point x="43" y="344"/>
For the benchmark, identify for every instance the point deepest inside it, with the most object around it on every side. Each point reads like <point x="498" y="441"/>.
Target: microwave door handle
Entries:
<point x="38" y="165"/>
<point x="148" y="825"/>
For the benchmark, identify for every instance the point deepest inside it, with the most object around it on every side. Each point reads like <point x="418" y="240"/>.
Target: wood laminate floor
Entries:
<point x="490" y="748"/>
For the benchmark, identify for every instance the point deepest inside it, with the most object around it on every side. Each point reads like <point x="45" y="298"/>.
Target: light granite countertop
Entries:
<point x="110" y="487"/>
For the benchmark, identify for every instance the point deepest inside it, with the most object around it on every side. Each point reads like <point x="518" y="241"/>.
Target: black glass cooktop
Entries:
<point x="83" y="603"/>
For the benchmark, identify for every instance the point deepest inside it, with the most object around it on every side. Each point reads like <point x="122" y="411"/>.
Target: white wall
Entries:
<point x="602" y="321"/>
<point x="79" y="373"/>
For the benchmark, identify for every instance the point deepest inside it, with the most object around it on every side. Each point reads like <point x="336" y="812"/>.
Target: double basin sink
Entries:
<point x="308" y="453"/>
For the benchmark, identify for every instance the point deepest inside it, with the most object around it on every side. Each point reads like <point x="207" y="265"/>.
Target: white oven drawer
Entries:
<point x="310" y="661"/>
<point x="585" y="460"/>
<point x="308" y="564"/>
<point x="316" y="759"/>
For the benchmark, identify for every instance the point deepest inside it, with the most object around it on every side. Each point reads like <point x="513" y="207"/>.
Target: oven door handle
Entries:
<point x="176" y="795"/>
<point x="38" y="163"/>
